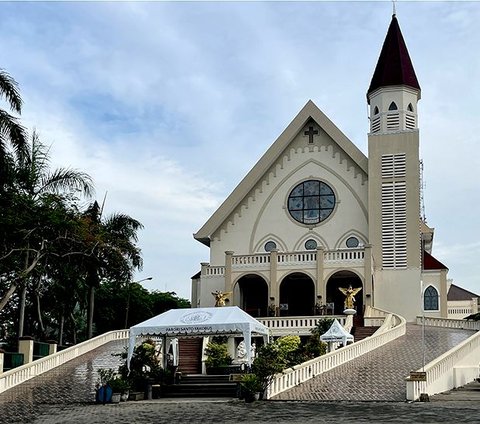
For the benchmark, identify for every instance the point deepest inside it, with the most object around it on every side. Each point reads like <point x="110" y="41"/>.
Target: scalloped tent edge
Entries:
<point x="199" y="322"/>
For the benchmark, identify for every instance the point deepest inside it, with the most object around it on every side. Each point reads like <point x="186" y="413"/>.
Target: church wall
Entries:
<point x="437" y="279"/>
<point x="399" y="291"/>
<point x="204" y="291"/>
<point x="264" y="216"/>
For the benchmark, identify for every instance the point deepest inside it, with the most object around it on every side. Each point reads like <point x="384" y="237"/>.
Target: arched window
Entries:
<point x="410" y="107"/>
<point x="393" y="106"/>
<point x="430" y="299"/>
<point x="375" y="111"/>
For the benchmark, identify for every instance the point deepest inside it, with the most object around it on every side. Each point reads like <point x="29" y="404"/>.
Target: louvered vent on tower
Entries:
<point x="393" y="166"/>
<point x="394" y="211"/>
<point x="410" y="123"/>
<point x="393" y="121"/>
<point x="394" y="225"/>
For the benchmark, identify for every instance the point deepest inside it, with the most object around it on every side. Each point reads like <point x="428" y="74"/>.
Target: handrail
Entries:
<point x="300" y="373"/>
<point x="454" y="368"/>
<point x="25" y="372"/>
<point x="449" y="323"/>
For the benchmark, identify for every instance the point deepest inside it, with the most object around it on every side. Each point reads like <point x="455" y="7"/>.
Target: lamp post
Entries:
<point x="128" y="297"/>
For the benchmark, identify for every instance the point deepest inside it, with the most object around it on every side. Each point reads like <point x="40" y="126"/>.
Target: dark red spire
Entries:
<point x="394" y="66"/>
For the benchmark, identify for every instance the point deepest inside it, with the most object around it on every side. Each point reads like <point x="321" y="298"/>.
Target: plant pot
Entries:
<point x="250" y="397"/>
<point x="116" y="397"/>
<point x="136" y="396"/>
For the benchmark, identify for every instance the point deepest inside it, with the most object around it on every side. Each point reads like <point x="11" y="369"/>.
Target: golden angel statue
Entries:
<point x="349" y="296"/>
<point x="220" y="297"/>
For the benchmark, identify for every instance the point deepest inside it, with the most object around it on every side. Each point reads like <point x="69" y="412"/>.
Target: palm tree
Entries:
<point x="12" y="134"/>
<point x="113" y="253"/>
<point x="35" y="184"/>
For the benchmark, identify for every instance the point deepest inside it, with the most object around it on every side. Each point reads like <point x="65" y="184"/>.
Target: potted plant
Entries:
<point x="218" y="358"/>
<point x="251" y="386"/>
<point x="103" y="391"/>
<point x="119" y="386"/>
<point x="145" y="369"/>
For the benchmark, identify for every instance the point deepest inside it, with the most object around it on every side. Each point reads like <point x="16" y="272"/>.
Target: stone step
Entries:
<point x="201" y="390"/>
<point x="361" y="333"/>
<point x="204" y="379"/>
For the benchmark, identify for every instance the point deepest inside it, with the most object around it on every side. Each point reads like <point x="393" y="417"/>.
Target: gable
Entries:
<point x="309" y="112"/>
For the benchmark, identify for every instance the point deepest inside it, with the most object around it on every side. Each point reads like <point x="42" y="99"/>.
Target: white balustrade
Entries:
<point x="450" y="323"/>
<point x="288" y="259"/>
<point x="248" y="260"/>
<point x="21" y="374"/>
<point x="215" y="270"/>
<point x="297" y="257"/>
<point x="454" y="368"/>
<point x="345" y="255"/>
<point x="280" y="326"/>
<point x="300" y="373"/>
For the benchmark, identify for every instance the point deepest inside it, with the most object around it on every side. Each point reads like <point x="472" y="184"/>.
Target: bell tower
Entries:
<point x="394" y="178"/>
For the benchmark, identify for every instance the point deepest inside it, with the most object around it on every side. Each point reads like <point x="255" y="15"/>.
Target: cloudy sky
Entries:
<point x="168" y="105"/>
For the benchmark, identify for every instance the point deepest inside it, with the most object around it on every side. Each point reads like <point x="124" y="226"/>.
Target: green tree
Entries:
<point x="43" y="193"/>
<point x="112" y="251"/>
<point x="12" y="134"/>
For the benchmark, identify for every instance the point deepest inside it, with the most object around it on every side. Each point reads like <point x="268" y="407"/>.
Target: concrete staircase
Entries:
<point x="361" y="333"/>
<point x="202" y="386"/>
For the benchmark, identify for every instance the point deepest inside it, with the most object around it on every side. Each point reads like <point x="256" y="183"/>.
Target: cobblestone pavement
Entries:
<point x="214" y="411"/>
<point x="69" y="384"/>
<point x="65" y="395"/>
<point x="380" y="374"/>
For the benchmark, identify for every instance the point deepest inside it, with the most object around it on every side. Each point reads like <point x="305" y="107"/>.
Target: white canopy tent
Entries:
<point x="199" y="322"/>
<point x="336" y="333"/>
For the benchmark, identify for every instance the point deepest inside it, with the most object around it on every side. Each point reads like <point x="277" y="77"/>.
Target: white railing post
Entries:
<point x="25" y="347"/>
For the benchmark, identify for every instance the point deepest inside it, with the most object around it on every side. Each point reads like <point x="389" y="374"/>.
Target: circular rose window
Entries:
<point x="311" y="202"/>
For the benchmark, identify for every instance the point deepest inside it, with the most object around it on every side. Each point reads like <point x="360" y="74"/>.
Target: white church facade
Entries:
<point x="315" y="214"/>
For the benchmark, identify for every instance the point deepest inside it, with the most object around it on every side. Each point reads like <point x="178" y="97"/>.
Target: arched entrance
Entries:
<point x="344" y="279"/>
<point x="253" y="295"/>
<point x="297" y="295"/>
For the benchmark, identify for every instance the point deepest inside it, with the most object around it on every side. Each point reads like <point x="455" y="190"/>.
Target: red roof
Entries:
<point x="429" y="262"/>
<point x="394" y="66"/>
<point x="458" y="293"/>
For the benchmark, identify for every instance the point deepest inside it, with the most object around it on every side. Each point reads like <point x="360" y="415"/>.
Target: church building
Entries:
<point x="315" y="214"/>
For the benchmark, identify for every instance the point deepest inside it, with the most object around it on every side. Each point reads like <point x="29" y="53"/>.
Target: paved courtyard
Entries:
<point x="65" y="395"/>
<point x="214" y="411"/>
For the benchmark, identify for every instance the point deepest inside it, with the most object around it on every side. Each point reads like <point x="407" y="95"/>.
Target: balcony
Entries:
<point x="288" y="260"/>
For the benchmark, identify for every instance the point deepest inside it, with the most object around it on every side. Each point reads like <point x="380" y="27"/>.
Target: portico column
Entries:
<point x="273" y="286"/>
<point x="368" y="290"/>
<point x="320" y="286"/>
<point x="228" y="271"/>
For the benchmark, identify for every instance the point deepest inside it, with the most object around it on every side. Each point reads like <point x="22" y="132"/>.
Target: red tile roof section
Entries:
<point x="429" y="262"/>
<point x="394" y="66"/>
<point x="457" y="293"/>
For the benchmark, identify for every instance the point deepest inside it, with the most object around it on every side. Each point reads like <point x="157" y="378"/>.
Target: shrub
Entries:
<point x="145" y="364"/>
<point x="217" y="355"/>
<point x="251" y="383"/>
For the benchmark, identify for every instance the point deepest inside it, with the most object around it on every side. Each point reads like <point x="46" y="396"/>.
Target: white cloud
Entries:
<point x="168" y="105"/>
